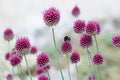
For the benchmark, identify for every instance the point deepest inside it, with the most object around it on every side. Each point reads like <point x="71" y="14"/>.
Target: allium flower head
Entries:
<point x="8" y="34"/>
<point x="91" y="77"/>
<point x="97" y="27"/>
<point x="33" y="50"/>
<point x="51" y="16"/>
<point x="43" y="77"/>
<point x="66" y="47"/>
<point x="7" y="56"/>
<point x="97" y="59"/>
<point x="39" y="70"/>
<point x="15" y="60"/>
<point x="47" y="67"/>
<point x="75" y="57"/>
<point x="85" y="41"/>
<point x="79" y="26"/>
<point x="91" y="28"/>
<point x="76" y="11"/>
<point x="9" y="76"/>
<point x="116" y="40"/>
<point x="23" y="45"/>
<point x="42" y="59"/>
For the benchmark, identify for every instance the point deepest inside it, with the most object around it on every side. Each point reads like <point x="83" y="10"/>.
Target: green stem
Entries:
<point x="90" y="66"/>
<point x="21" y="70"/>
<point x="96" y="44"/>
<point x="57" y="56"/>
<point x="28" y="67"/>
<point x="68" y="67"/>
<point x="48" y="74"/>
<point x="99" y="72"/>
<point x="77" y="71"/>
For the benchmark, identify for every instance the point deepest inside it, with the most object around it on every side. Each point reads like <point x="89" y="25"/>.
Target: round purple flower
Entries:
<point x="15" y="60"/>
<point x="76" y="11"/>
<point x="47" y="67"/>
<point x="79" y="26"/>
<point x="42" y="59"/>
<point x="51" y="16"/>
<point x="9" y="76"/>
<point x="39" y="70"/>
<point x="97" y="59"/>
<point x="85" y="41"/>
<point x="91" y="77"/>
<point x="66" y="47"/>
<point x="97" y="27"/>
<point x="91" y="28"/>
<point x="8" y="34"/>
<point x="7" y="56"/>
<point x="23" y="45"/>
<point x="33" y="50"/>
<point x="116" y="40"/>
<point x="43" y="77"/>
<point x="75" y="57"/>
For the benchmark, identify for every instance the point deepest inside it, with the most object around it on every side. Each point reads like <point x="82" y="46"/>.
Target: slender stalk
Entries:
<point x="20" y="70"/>
<point x="77" y="71"/>
<point x="90" y="65"/>
<point x="10" y="56"/>
<point x="28" y="67"/>
<point x="57" y="56"/>
<point x="99" y="72"/>
<point x="48" y="74"/>
<point x="68" y="67"/>
<point x="96" y="44"/>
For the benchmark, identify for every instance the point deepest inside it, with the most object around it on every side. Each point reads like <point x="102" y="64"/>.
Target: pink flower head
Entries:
<point x="23" y="45"/>
<point x="97" y="59"/>
<point x="91" y="77"/>
<point x="42" y="59"/>
<point x="7" y="56"/>
<point x="33" y="50"/>
<point x="39" y="70"/>
<point x="75" y="57"/>
<point x="43" y="77"/>
<point x="8" y="34"/>
<point x="79" y="26"/>
<point x="15" y="60"/>
<point x="97" y="27"/>
<point x="85" y="41"/>
<point x="91" y="28"/>
<point x="116" y="40"/>
<point x="9" y="76"/>
<point x="46" y="67"/>
<point x="51" y="16"/>
<point x="76" y="11"/>
<point x="66" y="47"/>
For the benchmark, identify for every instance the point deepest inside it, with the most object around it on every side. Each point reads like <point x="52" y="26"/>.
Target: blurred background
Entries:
<point x="25" y="18"/>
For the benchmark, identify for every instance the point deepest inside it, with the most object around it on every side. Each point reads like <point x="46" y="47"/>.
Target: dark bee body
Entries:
<point x="67" y="38"/>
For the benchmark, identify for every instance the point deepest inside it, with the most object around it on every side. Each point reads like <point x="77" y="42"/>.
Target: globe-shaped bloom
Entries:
<point x="33" y="50"/>
<point x="43" y="77"/>
<point x="116" y="40"/>
<point x="66" y="47"/>
<point x="15" y="60"/>
<point x="23" y="45"/>
<point x="39" y="70"/>
<point x="9" y="76"/>
<point x="51" y="16"/>
<point x="47" y="67"/>
<point x="75" y="57"/>
<point x="42" y="59"/>
<point x="86" y="41"/>
<point x="97" y="59"/>
<point x="8" y="34"/>
<point x="76" y="11"/>
<point x="91" y="28"/>
<point x="79" y="26"/>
